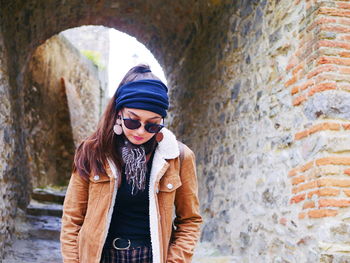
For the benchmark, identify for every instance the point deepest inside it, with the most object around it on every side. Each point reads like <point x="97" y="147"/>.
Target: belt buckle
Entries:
<point x="120" y="248"/>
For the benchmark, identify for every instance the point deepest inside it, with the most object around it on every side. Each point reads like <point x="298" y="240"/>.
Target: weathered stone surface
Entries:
<point x="328" y="104"/>
<point x="94" y="40"/>
<point x="13" y="184"/>
<point x="62" y="91"/>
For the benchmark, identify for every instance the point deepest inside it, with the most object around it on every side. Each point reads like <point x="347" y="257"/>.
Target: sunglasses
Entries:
<point x="135" y="124"/>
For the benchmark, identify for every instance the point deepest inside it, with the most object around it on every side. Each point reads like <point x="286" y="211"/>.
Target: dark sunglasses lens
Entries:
<point x="153" y="128"/>
<point x="132" y="124"/>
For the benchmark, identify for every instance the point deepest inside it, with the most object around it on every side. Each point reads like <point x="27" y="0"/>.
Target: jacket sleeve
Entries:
<point x="74" y="210"/>
<point x="188" y="220"/>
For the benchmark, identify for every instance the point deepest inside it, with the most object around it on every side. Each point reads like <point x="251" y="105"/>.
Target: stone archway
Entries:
<point x="170" y="31"/>
<point x="168" y="37"/>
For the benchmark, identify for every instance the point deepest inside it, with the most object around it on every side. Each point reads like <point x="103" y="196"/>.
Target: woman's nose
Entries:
<point x="141" y="129"/>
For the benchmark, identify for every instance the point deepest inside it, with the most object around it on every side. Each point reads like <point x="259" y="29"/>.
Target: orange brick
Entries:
<point x="333" y="60"/>
<point x="298" y="100"/>
<point x="309" y="204"/>
<point x="322" y="87"/>
<point x="298" y="180"/>
<point x="320" y="69"/>
<point x="333" y="43"/>
<point x="333" y="182"/>
<point x="321" y="21"/>
<point x="301" y="135"/>
<point x="297" y="198"/>
<point x="316" y="128"/>
<point x="346" y="126"/>
<point x="335" y="28"/>
<point x="295" y="90"/>
<point x="345" y="54"/>
<point x="293" y="61"/>
<point x="346" y="38"/>
<point x="328" y="192"/>
<point x="306" y="166"/>
<point x="303" y="187"/>
<point x="347" y="192"/>
<point x="291" y="81"/>
<point x="307" y="84"/>
<point x="298" y="68"/>
<point x="301" y="215"/>
<point x="344" y="70"/>
<point x="325" y="126"/>
<point x="318" y="213"/>
<point x="293" y="172"/>
<point x="347" y="172"/>
<point x="324" y="77"/>
<point x="343" y="5"/>
<point x="283" y="221"/>
<point x="334" y="203"/>
<point x="324" y="192"/>
<point x="329" y="170"/>
<point x="334" y="12"/>
<point x="344" y="21"/>
<point x="333" y="160"/>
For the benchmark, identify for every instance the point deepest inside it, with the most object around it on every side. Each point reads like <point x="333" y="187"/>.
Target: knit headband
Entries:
<point x="146" y="94"/>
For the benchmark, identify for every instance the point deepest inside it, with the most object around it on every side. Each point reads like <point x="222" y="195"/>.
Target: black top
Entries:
<point x="130" y="217"/>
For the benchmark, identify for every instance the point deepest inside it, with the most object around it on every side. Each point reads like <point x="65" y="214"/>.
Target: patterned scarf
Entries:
<point x="134" y="158"/>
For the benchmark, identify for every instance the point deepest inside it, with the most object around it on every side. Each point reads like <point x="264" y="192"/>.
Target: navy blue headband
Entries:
<point x="146" y="94"/>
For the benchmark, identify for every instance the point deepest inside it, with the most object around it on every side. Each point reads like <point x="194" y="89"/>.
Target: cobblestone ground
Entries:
<point x="38" y="242"/>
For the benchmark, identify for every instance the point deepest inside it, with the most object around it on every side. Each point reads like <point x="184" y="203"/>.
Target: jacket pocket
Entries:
<point x="167" y="190"/>
<point x="169" y="183"/>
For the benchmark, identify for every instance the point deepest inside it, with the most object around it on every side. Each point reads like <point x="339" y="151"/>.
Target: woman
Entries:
<point x="127" y="178"/>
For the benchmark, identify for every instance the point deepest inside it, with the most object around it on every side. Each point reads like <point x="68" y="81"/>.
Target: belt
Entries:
<point x="120" y="243"/>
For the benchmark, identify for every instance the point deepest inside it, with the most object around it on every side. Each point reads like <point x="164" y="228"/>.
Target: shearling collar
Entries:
<point x="167" y="149"/>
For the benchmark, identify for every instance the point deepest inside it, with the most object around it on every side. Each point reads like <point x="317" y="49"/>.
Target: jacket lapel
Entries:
<point x="167" y="149"/>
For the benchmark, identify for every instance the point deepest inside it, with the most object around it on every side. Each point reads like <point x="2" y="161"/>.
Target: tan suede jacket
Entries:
<point x="88" y="208"/>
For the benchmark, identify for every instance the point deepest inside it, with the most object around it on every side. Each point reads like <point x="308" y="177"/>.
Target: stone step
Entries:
<point x="48" y="195"/>
<point x="44" y="209"/>
<point x="36" y="240"/>
<point x="44" y="227"/>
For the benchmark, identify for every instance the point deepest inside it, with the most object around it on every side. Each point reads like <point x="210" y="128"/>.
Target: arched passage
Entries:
<point x="176" y="33"/>
<point x="168" y="37"/>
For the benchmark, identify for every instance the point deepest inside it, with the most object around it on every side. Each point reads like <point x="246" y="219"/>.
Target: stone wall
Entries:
<point x="13" y="183"/>
<point x="62" y="100"/>
<point x="266" y="112"/>
<point x="95" y="41"/>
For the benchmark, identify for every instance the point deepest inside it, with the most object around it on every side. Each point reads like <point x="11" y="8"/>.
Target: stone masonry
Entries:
<point x="259" y="91"/>
<point x="62" y="104"/>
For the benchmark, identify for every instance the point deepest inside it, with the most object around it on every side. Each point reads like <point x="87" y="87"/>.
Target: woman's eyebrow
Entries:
<point x="133" y="113"/>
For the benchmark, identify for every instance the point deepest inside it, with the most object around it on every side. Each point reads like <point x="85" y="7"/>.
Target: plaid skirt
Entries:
<point x="131" y="255"/>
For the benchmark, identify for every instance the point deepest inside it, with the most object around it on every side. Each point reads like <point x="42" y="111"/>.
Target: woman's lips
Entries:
<point x="137" y="138"/>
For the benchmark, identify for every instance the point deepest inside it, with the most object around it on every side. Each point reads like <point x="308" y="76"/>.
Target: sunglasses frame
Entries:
<point x="147" y="126"/>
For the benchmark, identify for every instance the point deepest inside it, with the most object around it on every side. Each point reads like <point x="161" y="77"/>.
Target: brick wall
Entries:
<point x="319" y="82"/>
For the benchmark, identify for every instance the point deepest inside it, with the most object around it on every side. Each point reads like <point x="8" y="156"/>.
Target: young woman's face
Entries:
<point x="140" y="135"/>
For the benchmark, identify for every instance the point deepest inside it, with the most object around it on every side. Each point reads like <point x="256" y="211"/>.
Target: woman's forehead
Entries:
<point x="143" y="114"/>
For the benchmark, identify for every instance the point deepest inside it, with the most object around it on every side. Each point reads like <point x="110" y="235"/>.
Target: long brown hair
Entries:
<point x="91" y="155"/>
